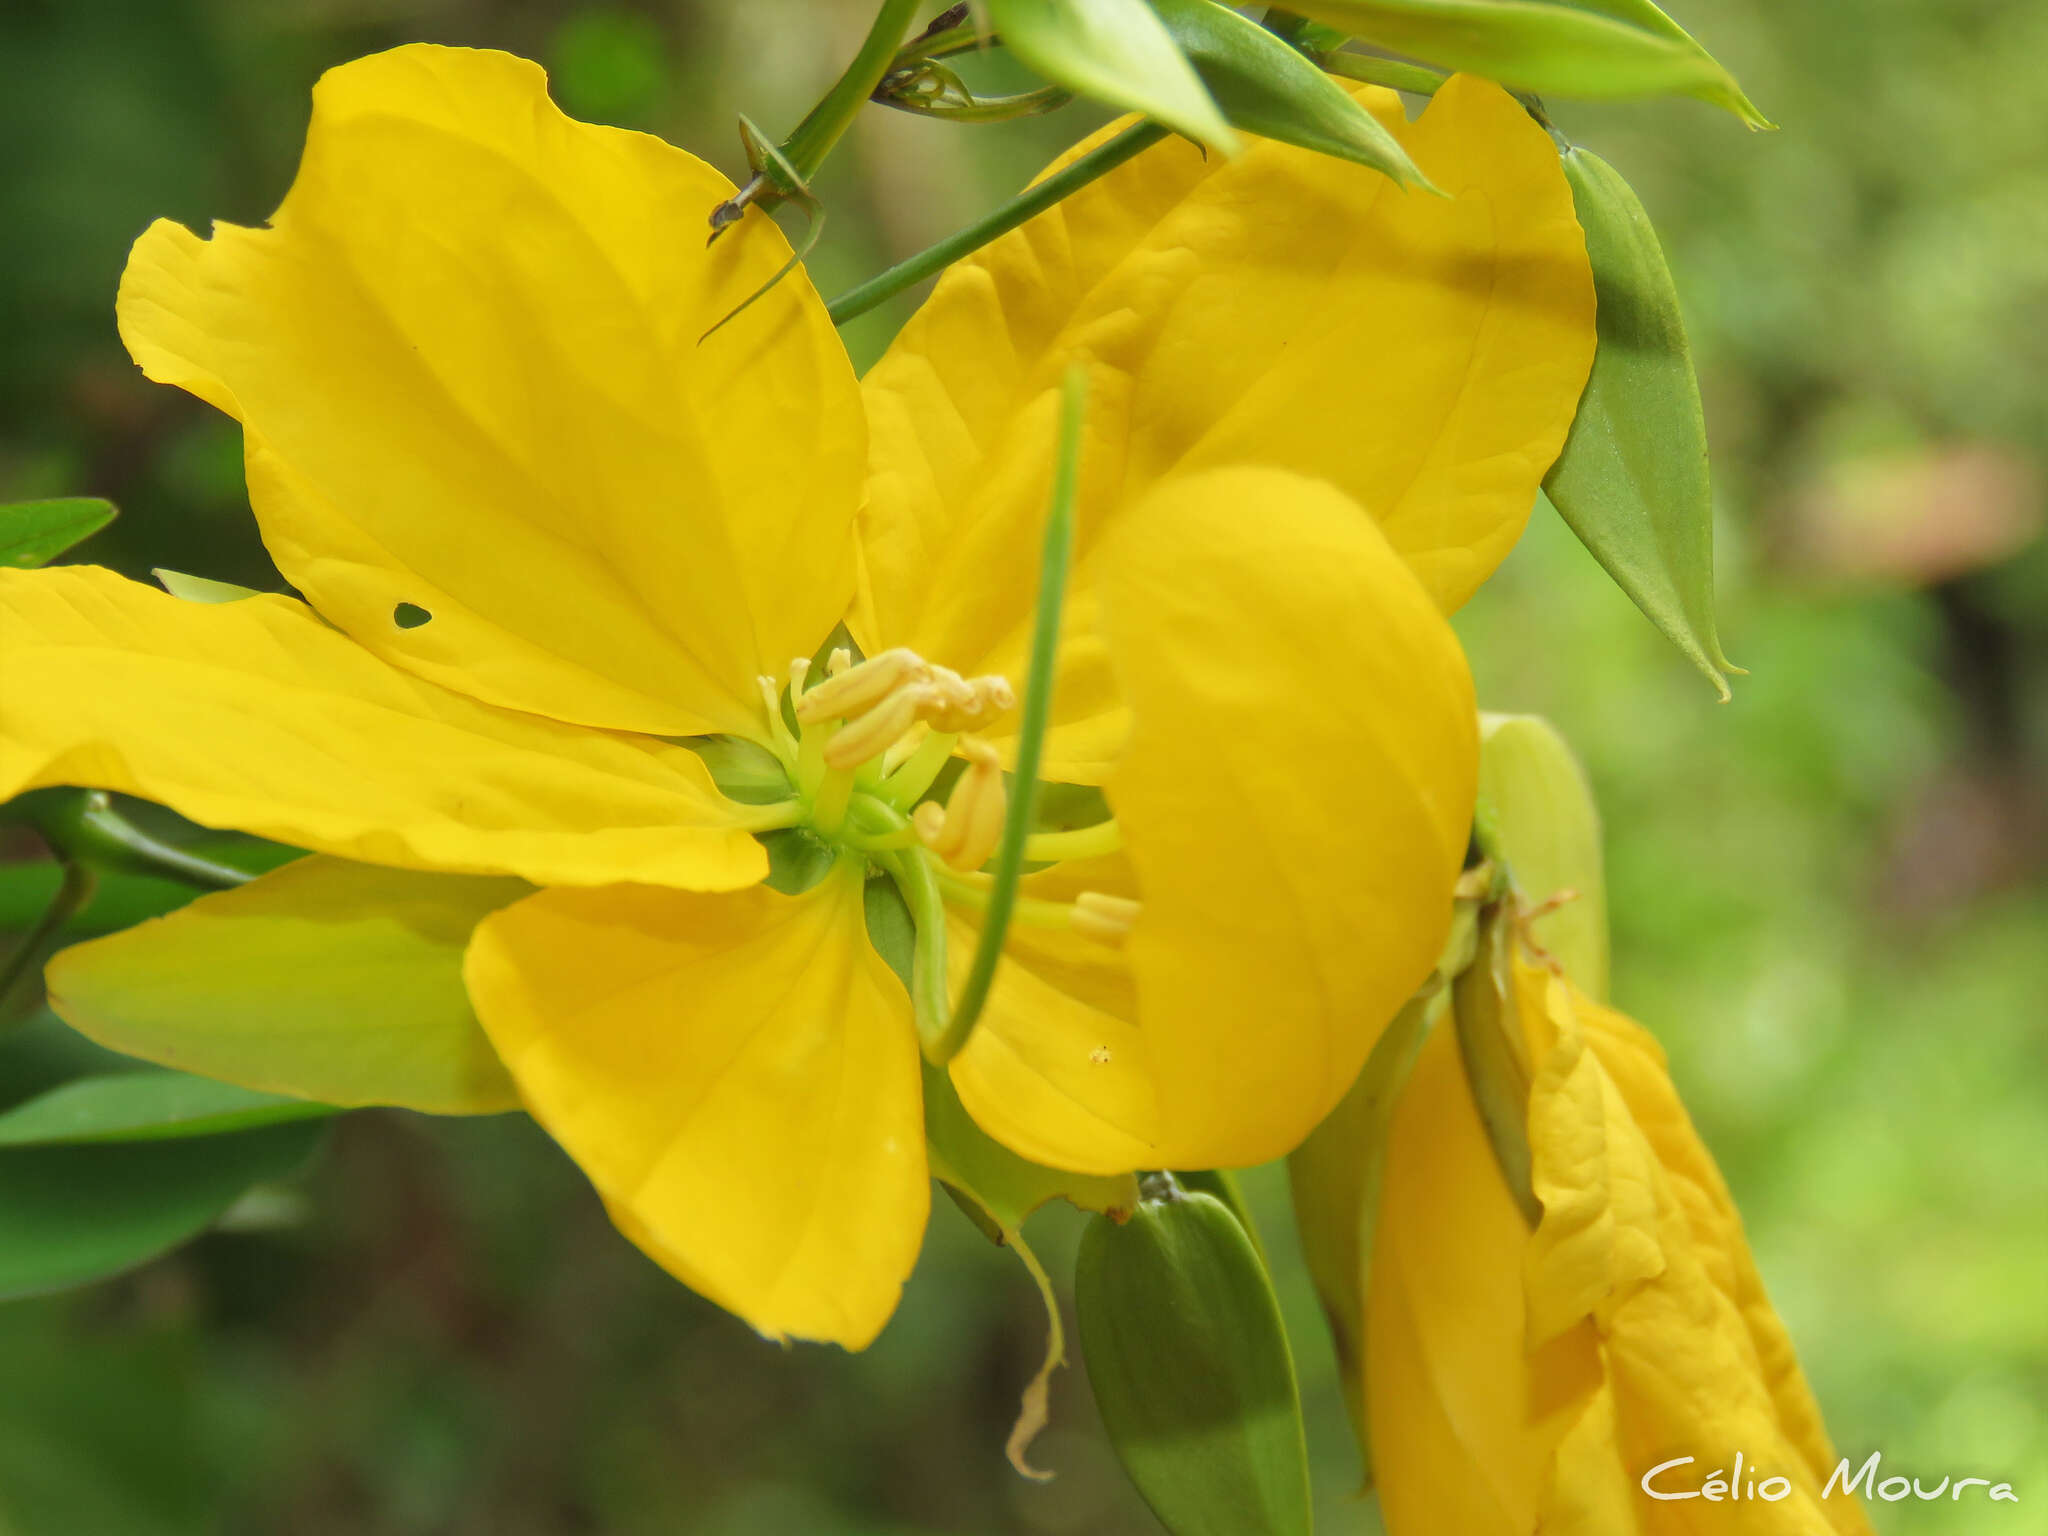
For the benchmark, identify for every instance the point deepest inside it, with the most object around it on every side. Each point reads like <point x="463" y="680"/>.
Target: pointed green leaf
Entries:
<point x="72" y="1215"/>
<point x="324" y="980"/>
<point x="1190" y="1366"/>
<point x="1595" y="50"/>
<point x="145" y="1106"/>
<point x="1115" y="51"/>
<point x="34" y="533"/>
<point x="1266" y="87"/>
<point x="201" y="589"/>
<point x="1632" y="480"/>
<point x="1542" y="821"/>
<point x="1651" y="18"/>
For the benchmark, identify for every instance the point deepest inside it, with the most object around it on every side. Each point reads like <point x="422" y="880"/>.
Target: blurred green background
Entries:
<point x="1828" y="895"/>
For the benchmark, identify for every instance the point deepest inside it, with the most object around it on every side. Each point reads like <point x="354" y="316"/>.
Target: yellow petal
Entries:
<point x="256" y="715"/>
<point x="1296" y="798"/>
<point x="1772" y="1411"/>
<point x="1284" y="308"/>
<point x="738" y="1076"/>
<point x="329" y="980"/>
<point x="1465" y="1422"/>
<point x="466" y="357"/>
<point x="1058" y="1069"/>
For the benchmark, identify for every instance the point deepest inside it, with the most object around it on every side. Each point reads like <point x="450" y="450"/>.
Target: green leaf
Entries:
<point x="1116" y="51"/>
<point x="1632" y="480"/>
<point x="1539" y="817"/>
<point x="145" y="1106"/>
<point x="1190" y="1366"/>
<point x="73" y="1215"/>
<point x="1651" y="18"/>
<point x="34" y="533"/>
<point x="1266" y="87"/>
<point x="201" y="589"/>
<point x="324" y="980"/>
<point x="1597" y="50"/>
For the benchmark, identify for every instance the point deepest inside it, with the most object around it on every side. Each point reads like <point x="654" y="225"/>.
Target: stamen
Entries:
<point x="799" y="674"/>
<point x="965" y="834"/>
<point x="785" y="744"/>
<point x="1105" y="837"/>
<point x="875" y="730"/>
<point x="920" y="768"/>
<point x="859" y="689"/>
<point x="974" y="703"/>
<point x="1103" y="918"/>
<point x="840" y="659"/>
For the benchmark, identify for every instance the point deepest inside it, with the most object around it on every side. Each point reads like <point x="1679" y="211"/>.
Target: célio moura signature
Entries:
<point x="1665" y="1481"/>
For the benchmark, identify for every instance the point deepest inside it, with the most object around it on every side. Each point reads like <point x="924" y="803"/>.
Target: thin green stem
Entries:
<point x="1033" y="719"/>
<point x="1374" y="70"/>
<point x="73" y="893"/>
<point x="918" y="771"/>
<point x="1098" y="162"/>
<point x="915" y="879"/>
<point x="824" y="124"/>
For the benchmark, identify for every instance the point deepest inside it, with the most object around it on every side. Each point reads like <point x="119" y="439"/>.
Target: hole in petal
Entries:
<point x="409" y="615"/>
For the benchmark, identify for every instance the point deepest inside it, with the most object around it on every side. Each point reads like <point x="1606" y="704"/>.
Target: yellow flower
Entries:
<point x="543" y="532"/>
<point x="1521" y="1381"/>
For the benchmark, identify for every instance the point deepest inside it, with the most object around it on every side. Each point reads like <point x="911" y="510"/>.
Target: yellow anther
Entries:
<point x="1103" y="918"/>
<point x="868" y="734"/>
<point x="974" y="703"/>
<point x="840" y="659"/>
<point x="972" y="824"/>
<point x="799" y="674"/>
<point x="861" y="689"/>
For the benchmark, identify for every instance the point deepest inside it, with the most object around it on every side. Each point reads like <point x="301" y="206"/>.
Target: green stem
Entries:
<point x="1033" y="719"/>
<point x="83" y="827"/>
<point x="1374" y="70"/>
<point x="73" y="893"/>
<point x="912" y="872"/>
<point x="1099" y="161"/>
<point x="825" y="123"/>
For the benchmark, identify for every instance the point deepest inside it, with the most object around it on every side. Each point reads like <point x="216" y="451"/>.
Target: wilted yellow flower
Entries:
<point x="544" y="532"/>
<point x="1521" y="1381"/>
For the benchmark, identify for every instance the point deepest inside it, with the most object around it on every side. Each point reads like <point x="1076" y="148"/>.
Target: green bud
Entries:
<point x="1191" y="1369"/>
<point x="1632" y="480"/>
<point x="1486" y="1008"/>
<point x="1542" y="823"/>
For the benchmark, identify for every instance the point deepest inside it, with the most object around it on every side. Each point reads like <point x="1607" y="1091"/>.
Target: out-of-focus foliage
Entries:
<point x="1828" y="895"/>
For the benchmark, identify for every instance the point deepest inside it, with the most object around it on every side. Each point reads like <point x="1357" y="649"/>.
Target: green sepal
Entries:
<point x="1592" y="50"/>
<point x="1113" y="51"/>
<point x="996" y="1186"/>
<point x="1491" y="1043"/>
<point x="1632" y="480"/>
<point x="1268" y="88"/>
<point x="1223" y="1185"/>
<point x="70" y="1215"/>
<point x="34" y="533"/>
<point x="1335" y="1177"/>
<point x="146" y="1106"/>
<point x="1543" y="824"/>
<point x="1190" y="1367"/>
<point x="325" y="980"/>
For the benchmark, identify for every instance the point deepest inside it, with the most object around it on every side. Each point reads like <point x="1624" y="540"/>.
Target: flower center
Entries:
<point x="873" y="740"/>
